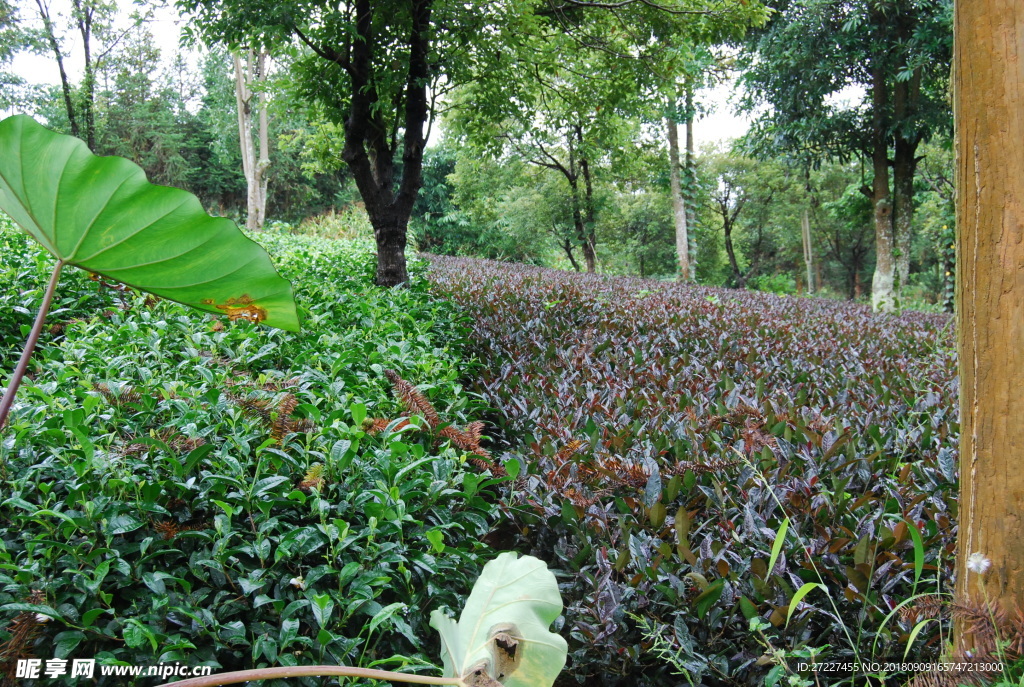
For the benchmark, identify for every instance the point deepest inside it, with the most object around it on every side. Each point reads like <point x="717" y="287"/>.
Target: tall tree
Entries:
<point x="679" y="210"/>
<point x="695" y="66"/>
<point x="251" y="67"/>
<point x="14" y="38"/>
<point x="990" y="303"/>
<point x="375" y="68"/>
<point x="898" y="52"/>
<point x="93" y="22"/>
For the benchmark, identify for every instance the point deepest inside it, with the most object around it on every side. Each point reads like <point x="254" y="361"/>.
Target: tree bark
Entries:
<point x="589" y="218"/>
<point x="906" y="99"/>
<point x="51" y="39"/>
<point x="988" y="92"/>
<point x="805" y="230"/>
<point x="83" y="17"/>
<point x="252" y="71"/>
<point x="678" y="204"/>
<point x="883" y="296"/>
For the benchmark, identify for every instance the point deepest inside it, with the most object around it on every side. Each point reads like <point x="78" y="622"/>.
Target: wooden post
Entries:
<point x="988" y="80"/>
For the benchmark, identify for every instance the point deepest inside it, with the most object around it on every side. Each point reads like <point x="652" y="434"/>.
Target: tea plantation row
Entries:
<point x="671" y="432"/>
<point x="178" y="488"/>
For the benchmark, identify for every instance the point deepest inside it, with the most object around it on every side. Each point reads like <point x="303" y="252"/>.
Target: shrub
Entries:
<point x="670" y="431"/>
<point x="178" y="488"/>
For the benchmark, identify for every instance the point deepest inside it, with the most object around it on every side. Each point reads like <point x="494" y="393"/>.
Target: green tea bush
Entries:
<point x="174" y="487"/>
<point x="671" y="432"/>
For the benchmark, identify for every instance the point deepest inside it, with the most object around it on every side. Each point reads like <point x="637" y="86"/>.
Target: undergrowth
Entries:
<point x="178" y="488"/>
<point x="673" y="434"/>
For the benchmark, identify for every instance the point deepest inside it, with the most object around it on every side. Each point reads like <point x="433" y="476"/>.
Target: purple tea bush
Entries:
<point x="667" y="433"/>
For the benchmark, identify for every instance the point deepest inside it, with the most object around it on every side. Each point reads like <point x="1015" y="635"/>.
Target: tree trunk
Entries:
<point x="567" y="247"/>
<point x="51" y="39"/>
<point x="578" y="219"/>
<point x="255" y="151"/>
<point x="988" y="78"/>
<point x="689" y="176"/>
<point x="589" y="219"/>
<point x="678" y="204"/>
<point x="906" y="103"/>
<point x="390" y="233"/>
<point x="903" y="170"/>
<point x="883" y="297"/>
<point x="84" y="14"/>
<point x="738" y="278"/>
<point x="370" y="152"/>
<point x="805" y="229"/>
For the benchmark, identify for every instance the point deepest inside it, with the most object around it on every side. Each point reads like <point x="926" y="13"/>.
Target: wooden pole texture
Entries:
<point x="988" y="78"/>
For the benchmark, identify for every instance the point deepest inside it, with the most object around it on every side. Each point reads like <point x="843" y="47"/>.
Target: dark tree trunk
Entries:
<point x="578" y="217"/>
<point x="689" y="177"/>
<point x="390" y="233"/>
<point x="84" y="19"/>
<point x="589" y="233"/>
<point x="739" y="280"/>
<point x="903" y="170"/>
<point x="567" y="247"/>
<point x="51" y="39"/>
<point x="369" y="150"/>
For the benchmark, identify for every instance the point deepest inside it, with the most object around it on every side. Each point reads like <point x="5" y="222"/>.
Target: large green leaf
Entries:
<point x="101" y="214"/>
<point x="502" y="634"/>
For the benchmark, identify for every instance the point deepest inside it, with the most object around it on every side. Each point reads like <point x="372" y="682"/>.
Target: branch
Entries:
<point x="326" y="53"/>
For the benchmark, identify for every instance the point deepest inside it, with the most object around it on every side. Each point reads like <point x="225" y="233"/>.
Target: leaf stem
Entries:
<point x="310" y="671"/>
<point x="30" y="345"/>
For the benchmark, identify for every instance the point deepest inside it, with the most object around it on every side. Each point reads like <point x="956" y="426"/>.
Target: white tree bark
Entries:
<point x="805" y="227"/>
<point x="251" y="98"/>
<point x="678" y="203"/>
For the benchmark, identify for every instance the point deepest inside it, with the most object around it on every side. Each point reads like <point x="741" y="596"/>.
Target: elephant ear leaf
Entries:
<point x="502" y="636"/>
<point x="102" y="215"/>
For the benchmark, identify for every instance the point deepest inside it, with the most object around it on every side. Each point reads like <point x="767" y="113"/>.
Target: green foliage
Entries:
<point x="811" y="50"/>
<point x="668" y="432"/>
<point x="781" y="284"/>
<point x="637" y="227"/>
<point x="102" y="215"/>
<point x="184" y="489"/>
<point x="350" y="223"/>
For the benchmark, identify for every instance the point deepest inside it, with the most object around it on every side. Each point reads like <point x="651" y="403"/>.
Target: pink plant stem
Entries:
<point x="30" y="346"/>
<point x="310" y="671"/>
